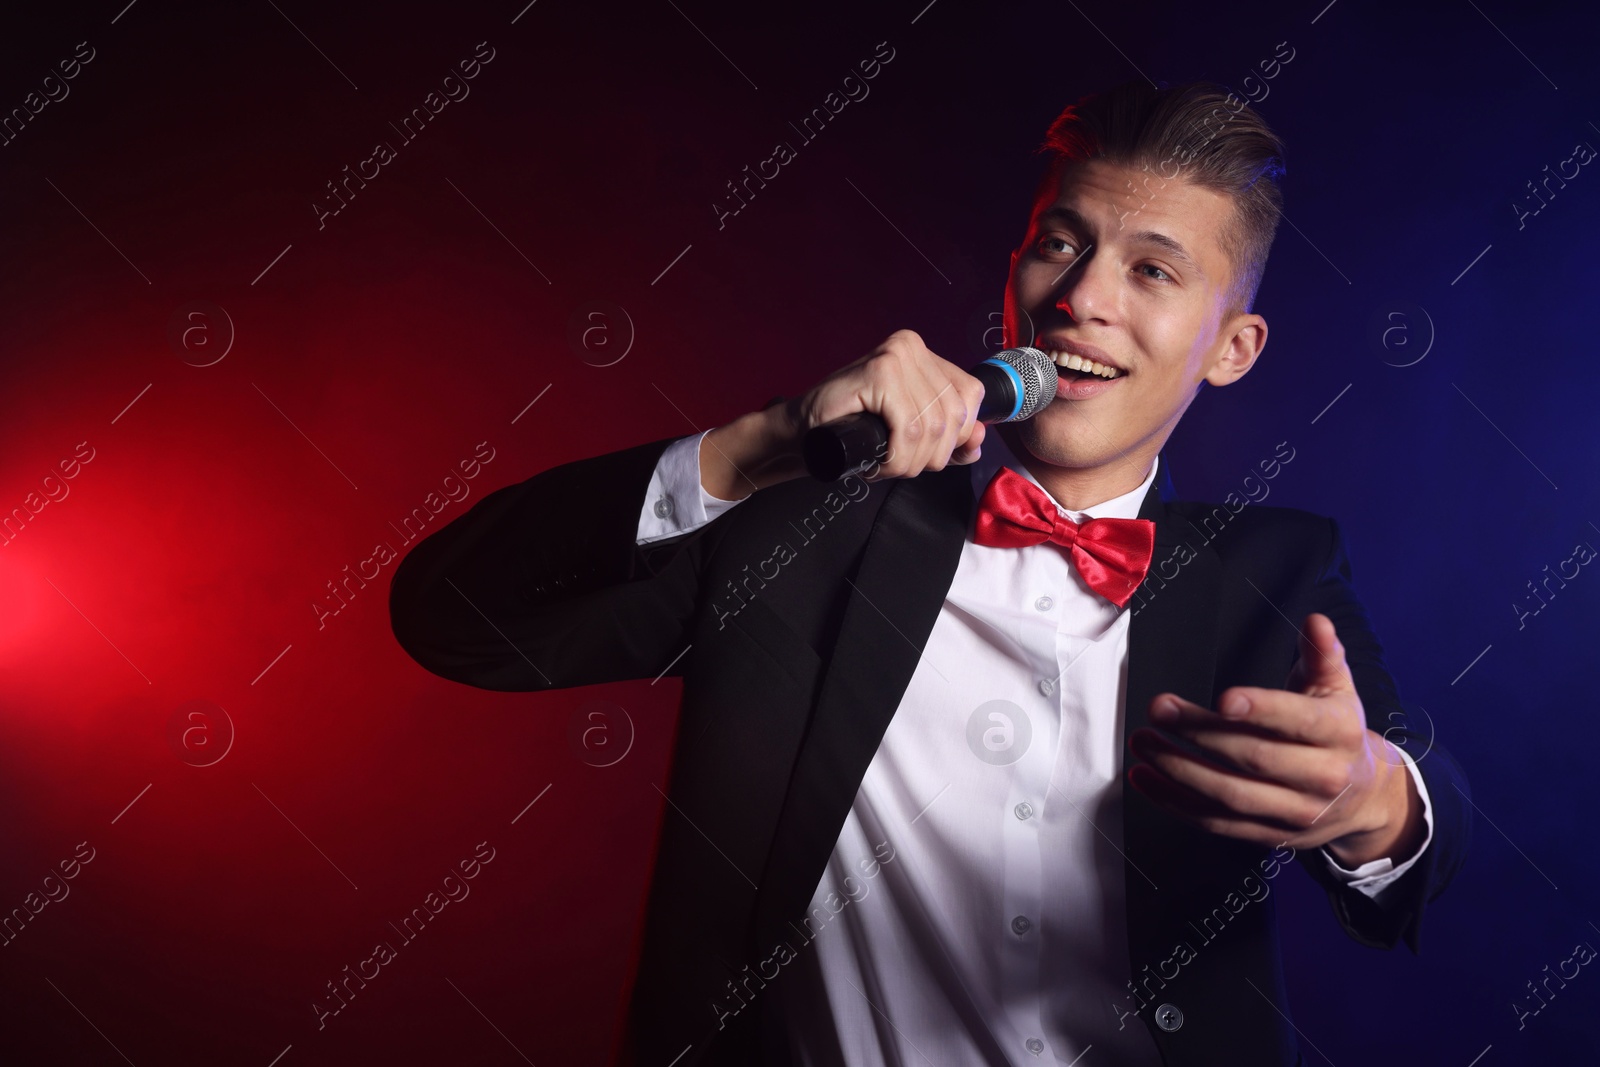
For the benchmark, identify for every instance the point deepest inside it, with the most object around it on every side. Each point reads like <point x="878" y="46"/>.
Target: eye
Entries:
<point x="1151" y="266"/>
<point x="1054" y="245"/>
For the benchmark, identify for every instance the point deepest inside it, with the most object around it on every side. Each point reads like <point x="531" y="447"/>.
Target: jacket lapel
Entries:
<point x="1172" y="647"/>
<point x="905" y="571"/>
<point x="1172" y="636"/>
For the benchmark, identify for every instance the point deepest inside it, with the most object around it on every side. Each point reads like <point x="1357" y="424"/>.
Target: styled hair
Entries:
<point x="1199" y="132"/>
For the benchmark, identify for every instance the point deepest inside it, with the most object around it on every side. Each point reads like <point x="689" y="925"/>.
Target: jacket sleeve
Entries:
<point x="1399" y="914"/>
<point x="543" y="585"/>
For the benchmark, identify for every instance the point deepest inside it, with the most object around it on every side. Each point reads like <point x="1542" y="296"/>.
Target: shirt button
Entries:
<point x="1169" y="1017"/>
<point x="1024" y="810"/>
<point x="1044" y="603"/>
<point x="1046" y="686"/>
<point x="663" y="508"/>
<point x="1020" y="925"/>
<point x="1035" y="1046"/>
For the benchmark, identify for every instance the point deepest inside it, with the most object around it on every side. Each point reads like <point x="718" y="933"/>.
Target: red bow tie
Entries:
<point x="1112" y="555"/>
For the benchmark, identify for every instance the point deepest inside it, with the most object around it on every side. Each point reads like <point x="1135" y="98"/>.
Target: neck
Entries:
<point x="1081" y="488"/>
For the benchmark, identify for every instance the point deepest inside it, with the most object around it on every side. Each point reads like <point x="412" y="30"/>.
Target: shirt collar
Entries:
<point x="996" y="455"/>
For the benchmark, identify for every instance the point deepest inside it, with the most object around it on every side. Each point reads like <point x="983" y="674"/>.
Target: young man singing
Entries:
<point x="989" y="753"/>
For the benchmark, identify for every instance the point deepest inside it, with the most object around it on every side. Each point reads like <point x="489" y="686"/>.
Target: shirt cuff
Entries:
<point x="1371" y="878"/>
<point x="675" y="503"/>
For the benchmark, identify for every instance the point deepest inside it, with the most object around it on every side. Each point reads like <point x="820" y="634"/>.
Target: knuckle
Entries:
<point x="1336" y="782"/>
<point x="901" y="344"/>
<point x="1352" y="732"/>
<point x="1254" y="756"/>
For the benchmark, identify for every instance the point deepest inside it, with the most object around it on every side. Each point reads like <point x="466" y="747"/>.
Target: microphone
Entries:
<point x="1017" y="384"/>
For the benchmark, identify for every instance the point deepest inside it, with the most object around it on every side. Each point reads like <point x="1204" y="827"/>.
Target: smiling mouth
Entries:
<point x="1069" y="365"/>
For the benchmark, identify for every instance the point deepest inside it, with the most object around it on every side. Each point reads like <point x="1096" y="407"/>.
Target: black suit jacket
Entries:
<point x="795" y="663"/>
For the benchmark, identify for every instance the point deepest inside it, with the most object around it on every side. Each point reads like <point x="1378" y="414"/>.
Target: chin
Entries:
<point x="1058" y="441"/>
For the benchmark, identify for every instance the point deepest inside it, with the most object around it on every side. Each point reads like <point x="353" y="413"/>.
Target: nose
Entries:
<point x="1082" y="291"/>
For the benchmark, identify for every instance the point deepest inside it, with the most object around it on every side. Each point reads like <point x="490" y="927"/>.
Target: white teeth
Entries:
<point x="1072" y="361"/>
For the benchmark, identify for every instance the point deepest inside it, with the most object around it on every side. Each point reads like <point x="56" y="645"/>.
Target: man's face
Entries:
<point x="1135" y="280"/>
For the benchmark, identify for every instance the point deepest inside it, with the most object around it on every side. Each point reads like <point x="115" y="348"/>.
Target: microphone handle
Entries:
<point x="859" y="440"/>
<point x="845" y="444"/>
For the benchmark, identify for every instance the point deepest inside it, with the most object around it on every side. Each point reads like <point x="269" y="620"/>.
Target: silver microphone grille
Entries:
<point x="1039" y="376"/>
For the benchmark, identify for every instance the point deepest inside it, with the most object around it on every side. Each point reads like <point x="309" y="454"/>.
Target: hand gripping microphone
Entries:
<point x="1017" y="384"/>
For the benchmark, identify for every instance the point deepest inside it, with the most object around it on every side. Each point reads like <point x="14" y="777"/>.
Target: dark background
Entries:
<point x="378" y="351"/>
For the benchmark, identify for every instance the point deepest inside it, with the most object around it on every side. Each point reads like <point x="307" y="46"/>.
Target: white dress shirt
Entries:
<point x="996" y="933"/>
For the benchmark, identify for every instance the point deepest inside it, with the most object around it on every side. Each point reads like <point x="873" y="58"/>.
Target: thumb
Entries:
<point x="1321" y="668"/>
<point x="971" y="449"/>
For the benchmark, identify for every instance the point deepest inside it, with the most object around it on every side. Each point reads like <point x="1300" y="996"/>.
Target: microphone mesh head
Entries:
<point x="1039" y="376"/>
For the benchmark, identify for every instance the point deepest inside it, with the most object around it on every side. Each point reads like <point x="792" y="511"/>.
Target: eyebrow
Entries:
<point x="1160" y="240"/>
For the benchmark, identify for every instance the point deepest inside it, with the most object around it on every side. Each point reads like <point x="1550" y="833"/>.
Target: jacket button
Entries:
<point x="1168" y="1017"/>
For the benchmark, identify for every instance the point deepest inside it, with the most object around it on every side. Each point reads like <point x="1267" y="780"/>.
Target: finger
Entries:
<point x="1186" y="804"/>
<point x="1223" y="792"/>
<point x="1303" y="768"/>
<point x="903" y="411"/>
<point x="1173" y="712"/>
<point x="972" y="450"/>
<point x="921" y="415"/>
<point x="957" y="421"/>
<point x="1322" y="667"/>
<point x="970" y="390"/>
<point x="941" y="415"/>
<point x="1272" y="712"/>
<point x="1331" y="720"/>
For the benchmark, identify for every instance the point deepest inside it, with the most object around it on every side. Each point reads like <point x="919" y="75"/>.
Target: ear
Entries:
<point x="1239" y="342"/>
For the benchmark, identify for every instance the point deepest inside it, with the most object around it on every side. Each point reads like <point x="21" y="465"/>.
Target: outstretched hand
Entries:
<point x="1295" y="766"/>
